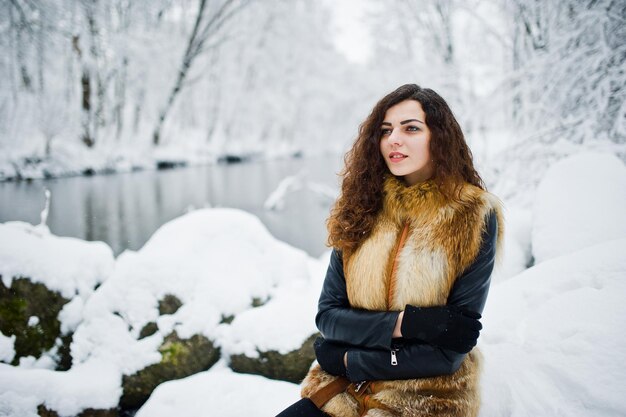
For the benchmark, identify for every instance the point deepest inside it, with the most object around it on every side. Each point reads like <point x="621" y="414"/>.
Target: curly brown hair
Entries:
<point x="354" y="214"/>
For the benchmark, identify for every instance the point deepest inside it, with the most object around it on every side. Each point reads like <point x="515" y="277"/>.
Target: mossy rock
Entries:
<point x="148" y="330"/>
<point x="169" y="304"/>
<point x="43" y="411"/>
<point x="227" y="319"/>
<point x="258" y="302"/>
<point x="180" y="358"/>
<point x="22" y="300"/>
<point x="91" y="412"/>
<point x="291" y="367"/>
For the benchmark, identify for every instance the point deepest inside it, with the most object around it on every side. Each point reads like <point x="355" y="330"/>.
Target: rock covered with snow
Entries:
<point x="220" y="264"/>
<point x="283" y="347"/>
<point x="581" y="201"/>
<point x="67" y="265"/>
<point x="179" y="358"/>
<point x="216" y="261"/>
<point x="211" y="277"/>
<point x="41" y="273"/>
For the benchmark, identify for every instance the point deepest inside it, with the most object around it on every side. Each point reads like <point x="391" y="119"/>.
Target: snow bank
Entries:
<point x="581" y="201"/>
<point x="67" y="265"/>
<point x="553" y="340"/>
<point x="94" y="384"/>
<point x="220" y="392"/>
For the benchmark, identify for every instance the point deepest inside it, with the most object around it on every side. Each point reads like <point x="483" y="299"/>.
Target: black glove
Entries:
<point x="449" y="327"/>
<point x="330" y="356"/>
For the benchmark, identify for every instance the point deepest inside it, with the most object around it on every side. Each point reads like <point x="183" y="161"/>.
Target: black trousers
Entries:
<point x="303" y="408"/>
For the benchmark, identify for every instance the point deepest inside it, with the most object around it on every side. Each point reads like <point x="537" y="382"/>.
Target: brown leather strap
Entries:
<point x="324" y="395"/>
<point x="363" y="393"/>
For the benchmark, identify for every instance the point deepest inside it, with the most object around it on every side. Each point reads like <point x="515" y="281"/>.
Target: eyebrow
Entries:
<point x="403" y="122"/>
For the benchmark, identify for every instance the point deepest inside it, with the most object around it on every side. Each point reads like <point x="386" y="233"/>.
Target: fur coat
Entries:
<point x="420" y="244"/>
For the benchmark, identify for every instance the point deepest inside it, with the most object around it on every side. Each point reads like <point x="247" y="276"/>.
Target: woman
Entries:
<point x="415" y="237"/>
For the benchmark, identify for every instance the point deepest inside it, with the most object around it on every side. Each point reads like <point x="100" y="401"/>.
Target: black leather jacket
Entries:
<point x="369" y="333"/>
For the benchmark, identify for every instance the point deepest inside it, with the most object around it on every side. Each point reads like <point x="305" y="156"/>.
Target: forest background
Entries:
<point x="106" y="86"/>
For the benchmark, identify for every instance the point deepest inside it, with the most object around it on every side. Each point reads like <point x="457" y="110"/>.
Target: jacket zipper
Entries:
<point x="401" y="242"/>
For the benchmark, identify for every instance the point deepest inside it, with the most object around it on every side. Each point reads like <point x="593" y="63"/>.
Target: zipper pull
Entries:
<point x="394" y="359"/>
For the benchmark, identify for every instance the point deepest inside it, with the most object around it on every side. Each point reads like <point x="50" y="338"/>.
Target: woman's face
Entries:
<point x="405" y="142"/>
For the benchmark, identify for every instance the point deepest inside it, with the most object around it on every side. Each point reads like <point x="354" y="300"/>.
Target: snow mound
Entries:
<point x="581" y="201"/>
<point x="67" y="265"/>
<point x="216" y="261"/>
<point x="553" y="340"/>
<point x="220" y="392"/>
<point x="90" y="385"/>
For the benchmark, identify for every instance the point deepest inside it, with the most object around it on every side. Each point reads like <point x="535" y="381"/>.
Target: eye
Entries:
<point x="385" y="132"/>
<point x="411" y="128"/>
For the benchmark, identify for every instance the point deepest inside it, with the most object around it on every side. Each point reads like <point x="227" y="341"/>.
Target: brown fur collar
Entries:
<point x="443" y="238"/>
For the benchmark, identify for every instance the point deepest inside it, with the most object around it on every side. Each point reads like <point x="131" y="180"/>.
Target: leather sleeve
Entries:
<point x="416" y="360"/>
<point x="340" y="323"/>
<point x="413" y="361"/>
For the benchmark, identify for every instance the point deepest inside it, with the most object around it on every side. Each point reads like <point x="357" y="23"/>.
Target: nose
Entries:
<point x="394" y="137"/>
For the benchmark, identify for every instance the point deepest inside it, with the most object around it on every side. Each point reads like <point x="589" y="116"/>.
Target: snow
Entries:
<point x="216" y="261"/>
<point x="45" y="361"/>
<point x="581" y="201"/>
<point x="220" y="392"/>
<point x="287" y="332"/>
<point x="107" y="339"/>
<point x="276" y="200"/>
<point x="7" y="350"/>
<point x="516" y="248"/>
<point x="552" y="340"/>
<point x="67" y="265"/>
<point x="95" y="385"/>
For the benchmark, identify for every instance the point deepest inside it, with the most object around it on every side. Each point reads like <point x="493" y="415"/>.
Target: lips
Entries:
<point x="397" y="156"/>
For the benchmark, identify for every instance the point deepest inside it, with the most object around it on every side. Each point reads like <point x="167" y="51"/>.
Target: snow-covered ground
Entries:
<point x="552" y="339"/>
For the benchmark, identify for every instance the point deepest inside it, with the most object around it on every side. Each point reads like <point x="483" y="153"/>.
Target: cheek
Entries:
<point x="381" y="147"/>
<point x="426" y="147"/>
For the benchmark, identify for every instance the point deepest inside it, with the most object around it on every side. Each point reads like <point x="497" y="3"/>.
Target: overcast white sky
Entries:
<point x="352" y="36"/>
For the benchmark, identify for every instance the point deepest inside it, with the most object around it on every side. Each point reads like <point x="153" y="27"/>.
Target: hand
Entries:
<point x="449" y="327"/>
<point x="330" y="356"/>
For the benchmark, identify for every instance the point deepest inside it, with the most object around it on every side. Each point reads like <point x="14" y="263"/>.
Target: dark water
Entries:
<point x="124" y="210"/>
